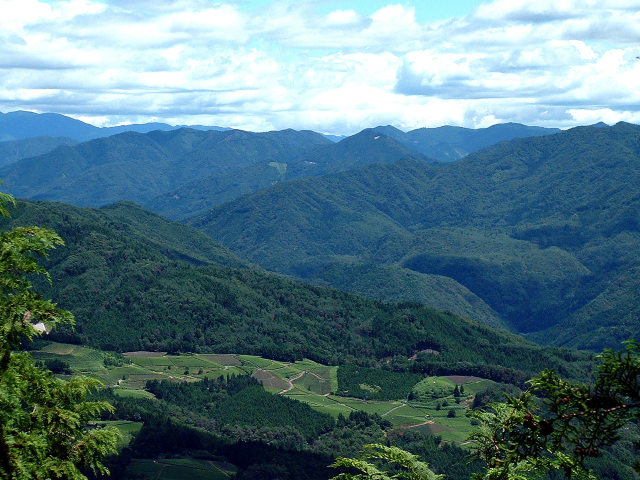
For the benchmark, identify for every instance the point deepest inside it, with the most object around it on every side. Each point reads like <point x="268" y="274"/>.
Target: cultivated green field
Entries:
<point x="127" y="429"/>
<point x="305" y="380"/>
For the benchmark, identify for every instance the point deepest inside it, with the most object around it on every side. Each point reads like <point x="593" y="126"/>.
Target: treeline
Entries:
<point x="248" y="437"/>
<point x="254" y="406"/>
<point x="240" y="401"/>
<point x="202" y="396"/>
<point x="198" y="420"/>
<point x="375" y="383"/>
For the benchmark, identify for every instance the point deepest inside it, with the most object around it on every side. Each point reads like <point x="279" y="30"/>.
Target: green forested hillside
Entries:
<point x="448" y="143"/>
<point x="21" y="124"/>
<point x="205" y="193"/>
<point x="180" y="173"/>
<point x="136" y="281"/>
<point x="537" y="228"/>
<point x="358" y="150"/>
<point x="202" y="194"/>
<point x="14" y="150"/>
<point x="138" y="167"/>
<point x="392" y="282"/>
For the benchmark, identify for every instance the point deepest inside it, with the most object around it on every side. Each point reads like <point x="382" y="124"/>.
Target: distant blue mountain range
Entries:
<point x="20" y="125"/>
<point x="446" y="143"/>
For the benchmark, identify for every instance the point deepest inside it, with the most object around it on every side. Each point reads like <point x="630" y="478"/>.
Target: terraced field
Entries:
<point x="305" y="380"/>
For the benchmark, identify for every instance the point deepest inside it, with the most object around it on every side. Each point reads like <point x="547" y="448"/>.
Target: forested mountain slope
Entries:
<point x="20" y="124"/>
<point x="372" y="145"/>
<point x="136" y="281"/>
<point x="200" y="195"/>
<point x="449" y="143"/>
<point x="137" y="167"/>
<point x="537" y="228"/>
<point x="180" y="173"/>
<point x="14" y="150"/>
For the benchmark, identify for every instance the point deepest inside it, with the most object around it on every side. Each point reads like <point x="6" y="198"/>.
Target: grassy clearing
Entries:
<point x="433" y="387"/>
<point x="60" y="348"/>
<point x="80" y="359"/>
<point x="257" y="362"/>
<point x="269" y="380"/>
<point x="379" y="407"/>
<point x="462" y="379"/>
<point x="280" y="167"/>
<point x="407" y="415"/>
<point x="322" y="403"/>
<point x="313" y="383"/>
<point x="222" y="359"/>
<point x="144" y="354"/>
<point x="476" y="386"/>
<point x="131" y="393"/>
<point x="152" y="362"/>
<point x="127" y="429"/>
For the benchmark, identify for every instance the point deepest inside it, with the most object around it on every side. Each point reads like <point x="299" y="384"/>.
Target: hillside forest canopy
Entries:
<point x="356" y="303"/>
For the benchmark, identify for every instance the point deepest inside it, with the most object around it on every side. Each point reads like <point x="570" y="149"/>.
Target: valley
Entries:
<point x="319" y="240"/>
<point x="306" y="297"/>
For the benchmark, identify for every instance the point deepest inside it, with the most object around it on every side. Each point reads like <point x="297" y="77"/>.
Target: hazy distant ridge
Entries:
<point x="21" y="124"/>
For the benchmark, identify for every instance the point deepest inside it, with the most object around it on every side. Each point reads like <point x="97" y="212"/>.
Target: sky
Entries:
<point x="329" y="66"/>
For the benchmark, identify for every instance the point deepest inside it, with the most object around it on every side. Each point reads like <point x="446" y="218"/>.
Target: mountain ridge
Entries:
<point x="120" y="274"/>
<point x="450" y="143"/>
<point x="134" y="166"/>
<point x="549" y="206"/>
<point x="21" y="124"/>
<point x="11" y="151"/>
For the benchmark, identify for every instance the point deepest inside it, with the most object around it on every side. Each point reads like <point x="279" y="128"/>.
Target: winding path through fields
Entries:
<point x="291" y="380"/>
<point x="328" y="395"/>
<point x="427" y="422"/>
<point x="394" y="408"/>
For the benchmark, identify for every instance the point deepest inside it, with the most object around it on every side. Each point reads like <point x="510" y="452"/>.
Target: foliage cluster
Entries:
<point x="242" y="401"/>
<point x="557" y="424"/>
<point x="433" y="387"/>
<point x="375" y="383"/>
<point x="43" y="420"/>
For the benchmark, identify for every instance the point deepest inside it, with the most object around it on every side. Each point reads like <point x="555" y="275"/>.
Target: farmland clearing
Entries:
<point x="304" y="380"/>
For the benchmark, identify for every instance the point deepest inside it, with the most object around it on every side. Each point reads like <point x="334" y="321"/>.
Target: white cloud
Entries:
<point x="343" y="17"/>
<point x="549" y="62"/>
<point x="606" y="115"/>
